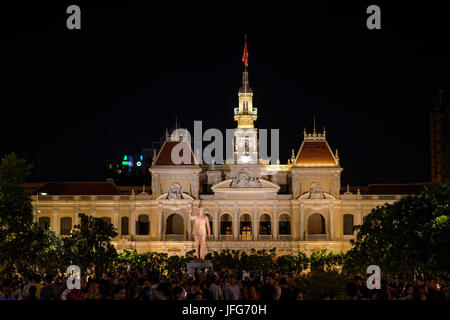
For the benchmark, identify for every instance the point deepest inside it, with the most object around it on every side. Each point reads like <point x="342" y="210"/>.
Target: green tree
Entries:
<point x="409" y="237"/>
<point x="89" y="245"/>
<point x="291" y="264"/>
<point x="326" y="260"/>
<point x="18" y="238"/>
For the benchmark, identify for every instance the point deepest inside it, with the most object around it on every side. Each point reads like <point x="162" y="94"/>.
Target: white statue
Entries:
<point x="201" y="230"/>
<point x="175" y="191"/>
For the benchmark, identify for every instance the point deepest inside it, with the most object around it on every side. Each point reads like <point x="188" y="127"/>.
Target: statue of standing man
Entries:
<point x="201" y="230"/>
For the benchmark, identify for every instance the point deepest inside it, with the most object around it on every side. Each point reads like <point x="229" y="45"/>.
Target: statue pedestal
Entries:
<point x="193" y="266"/>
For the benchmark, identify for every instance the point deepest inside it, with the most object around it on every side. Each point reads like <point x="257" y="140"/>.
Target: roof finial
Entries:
<point x="167" y="134"/>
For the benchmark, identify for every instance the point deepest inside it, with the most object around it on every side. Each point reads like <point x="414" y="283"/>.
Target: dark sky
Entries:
<point x="76" y="98"/>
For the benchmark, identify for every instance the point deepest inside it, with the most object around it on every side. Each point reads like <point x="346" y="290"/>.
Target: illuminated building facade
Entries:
<point x="298" y="206"/>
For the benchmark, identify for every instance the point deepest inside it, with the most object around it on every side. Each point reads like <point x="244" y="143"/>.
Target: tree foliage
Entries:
<point x="408" y="237"/>
<point x="89" y="245"/>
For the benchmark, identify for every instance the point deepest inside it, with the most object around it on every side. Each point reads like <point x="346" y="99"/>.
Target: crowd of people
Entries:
<point x="208" y="285"/>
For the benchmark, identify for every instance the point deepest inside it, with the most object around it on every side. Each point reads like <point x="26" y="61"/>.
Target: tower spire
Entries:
<point x="245" y="114"/>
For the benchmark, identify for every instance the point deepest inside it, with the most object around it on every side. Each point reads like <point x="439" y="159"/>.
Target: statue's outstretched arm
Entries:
<point x="190" y="216"/>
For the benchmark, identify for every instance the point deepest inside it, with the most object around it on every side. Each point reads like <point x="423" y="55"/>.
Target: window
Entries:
<point x="285" y="227"/>
<point x="247" y="148"/>
<point x="225" y="228"/>
<point x="124" y="226"/>
<point x="348" y="224"/>
<point x="246" y="231"/>
<point x="264" y="228"/>
<point x="142" y="225"/>
<point x="284" y="189"/>
<point x="66" y="226"/>
<point x="44" y="222"/>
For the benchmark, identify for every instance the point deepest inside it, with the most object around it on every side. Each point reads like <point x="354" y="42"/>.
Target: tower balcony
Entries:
<point x="254" y="111"/>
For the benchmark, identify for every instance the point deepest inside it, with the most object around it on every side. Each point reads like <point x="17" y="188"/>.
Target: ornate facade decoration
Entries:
<point x="243" y="180"/>
<point x="174" y="192"/>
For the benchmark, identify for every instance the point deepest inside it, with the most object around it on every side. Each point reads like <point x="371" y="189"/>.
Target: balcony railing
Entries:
<point x="316" y="237"/>
<point x="265" y="237"/>
<point x="372" y="197"/>
<point x="226" y="237"/>
<point x="254" y="111"/>
<point x="284" y="237"/>
<point x="245" y="237"/>
<point x="141" y="238"/>
<point x="174" y="237"/>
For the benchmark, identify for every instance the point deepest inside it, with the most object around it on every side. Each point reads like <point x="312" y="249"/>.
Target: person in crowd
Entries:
<point x="286" y="292"/>
<point x="50" y="290"/>
<point x="31" y="295"/>
<point x="231" y="289"/>
<point x="268" y="290"/>
<point x="352" y="291"/>
<point x="215" y="289"/>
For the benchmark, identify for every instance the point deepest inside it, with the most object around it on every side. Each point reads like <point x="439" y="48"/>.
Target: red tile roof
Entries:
<point x="80" y="188"/>
<point x="165" y="154"/>
<point x="315" y="153"/>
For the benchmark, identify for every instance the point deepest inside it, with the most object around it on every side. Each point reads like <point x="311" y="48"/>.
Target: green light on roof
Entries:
<point x="125" y="158"/>
<point x="125" y="163"/>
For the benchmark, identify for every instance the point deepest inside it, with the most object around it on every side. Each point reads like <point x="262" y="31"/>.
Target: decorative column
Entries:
<point x="116" y="218"/>
<point x="155" y="185"/>
<point x="216" y="225"/>
<point x="160" y="222"/>
<point x="195" y="185"/>
<point x="236" y="223"/>
<point x="331" y="224"/>
<point x="188" y="227"/>
<point x="255" y="223"/>
<point x="302" y="222"/>
<point x="133" y="220"/>
<point x="76" y="212"/>
<point x="55" y="218"/>
<point x="359" y="214"/>
<point x="275" y="224"/>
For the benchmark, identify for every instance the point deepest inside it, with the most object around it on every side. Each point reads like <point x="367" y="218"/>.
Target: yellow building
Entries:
<point x="242" y="198"/>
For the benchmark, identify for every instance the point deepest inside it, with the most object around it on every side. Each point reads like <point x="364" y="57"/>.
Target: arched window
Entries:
<point x="246" y="227"/>
<point x="284" y="225"/>
<point x="226" y="225"/>
<point x="265" y="225"/>
<point x="124" y="226"/>
<point x="65" y="226"/>
<point x="44" y="222"/>
<point x="348" y="224"/>
<point x="142" y="225"/>
<point x="316" y="224"/>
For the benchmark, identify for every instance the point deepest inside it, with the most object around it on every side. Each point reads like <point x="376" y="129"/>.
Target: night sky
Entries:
<point x="74" y="98"/>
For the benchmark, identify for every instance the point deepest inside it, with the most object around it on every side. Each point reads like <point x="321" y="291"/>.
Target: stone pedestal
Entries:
<point x="200" y="265"/>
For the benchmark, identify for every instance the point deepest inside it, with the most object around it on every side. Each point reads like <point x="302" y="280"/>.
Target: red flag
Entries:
<point x="245" y="55"/>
